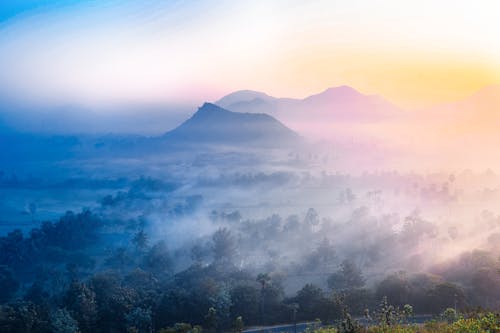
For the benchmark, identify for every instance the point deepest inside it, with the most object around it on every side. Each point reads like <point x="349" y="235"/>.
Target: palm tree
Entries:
<point x="263" y="279"/>
<point x="140" y="240"/>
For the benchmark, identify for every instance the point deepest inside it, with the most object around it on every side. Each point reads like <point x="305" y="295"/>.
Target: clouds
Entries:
<point x="98" y="52"/>
<point x="127" y="53"/>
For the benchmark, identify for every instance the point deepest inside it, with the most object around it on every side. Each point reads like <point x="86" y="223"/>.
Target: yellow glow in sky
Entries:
<point x="413" y="53"/>
<point x="409" y="80"/>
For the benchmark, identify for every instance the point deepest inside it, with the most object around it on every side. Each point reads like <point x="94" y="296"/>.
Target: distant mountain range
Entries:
<point x="339" y="104"/>
<point x="343" y="112"/>
<point x="250" y="118"/>
<point x="483" y="105"/>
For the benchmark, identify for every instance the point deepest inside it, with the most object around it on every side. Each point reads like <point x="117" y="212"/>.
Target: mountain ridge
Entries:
<point x="334" y="107"/>
<point x="214" y="124"/>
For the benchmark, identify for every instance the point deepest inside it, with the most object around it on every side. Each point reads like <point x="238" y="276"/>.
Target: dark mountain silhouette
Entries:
<point x="212" y="124"/>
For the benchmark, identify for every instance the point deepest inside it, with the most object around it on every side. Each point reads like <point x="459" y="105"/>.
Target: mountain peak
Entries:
<point x="214" y="124"/>
<point x="342" y="89"/>
<point x="209" y="111"/>
<point x="340" y="92"/>
<point x="210" y="107"/>
<point x="242" y="96"/>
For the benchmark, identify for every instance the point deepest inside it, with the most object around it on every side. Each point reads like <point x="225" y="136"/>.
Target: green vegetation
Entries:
<point x="478" y="323"/>
<point x="71" y="276"/>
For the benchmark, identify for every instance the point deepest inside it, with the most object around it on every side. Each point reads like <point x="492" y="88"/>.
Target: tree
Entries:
<point x="221" y="302"/>
<point x="387" y="314"/>
<point x="74" y="231"/>
<point x="408" y="310"/>
<point x="238" y="324"/>
<point x="245" y="302"/>
<point x="450" y="315"/>
<point x="157" y="260"/>
<point x="198" y="254"/>
<point x="263" y="279"/>
<point x="312" y="217"/>
<point x="348" y="277"/>
<point x="396" y="288"/>
<point x="32" y="210"/>
<point x="37" y="294"/>
<point x="140" y="240"/>
<point x="323" y="258"/>
<point x="24" y="317"/>
<point x="211" y="319"/>
<point x="145" y="285"/>
<point x="224" y="247"/>
<point x="346" y="196"/>
<point x="357" y="300"/>
<point x="8" y="283"/>
<point x="114" y="301"/>
<point x="292" y="224"/>
<point x="272" y="308"/>
<point x="485" y="287"/>
<point x="140" y="320"/>
<point x="181" y="328"/>
<point x="295" y="308"/>
<point x="119" y="259"/>
<point x="12" y="249"/>
<point x="62" y="322"/>
<point x="311" y="302"/>
<point x="445" y="295"/>
<point x="80" y="300"/>
<point x="347" y="324"/>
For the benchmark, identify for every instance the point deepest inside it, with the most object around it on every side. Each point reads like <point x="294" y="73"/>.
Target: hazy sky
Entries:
<point x="105" y="52"/>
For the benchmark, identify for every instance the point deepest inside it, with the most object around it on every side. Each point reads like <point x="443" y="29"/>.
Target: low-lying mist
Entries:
<point x="286" y="215"/>
<point x="118" y="229"/>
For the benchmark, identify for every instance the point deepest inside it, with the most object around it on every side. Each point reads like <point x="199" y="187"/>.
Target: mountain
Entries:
<point x="243" y="96"/>
<point x="212" y="124"/>
<point x="483" y="105"/>
<point x="348" y="105"/>
<point x="338" y="104"/>
<point x="476" y="116"/>
<point x="338" y="112"/>
<point x="254" y="102"/>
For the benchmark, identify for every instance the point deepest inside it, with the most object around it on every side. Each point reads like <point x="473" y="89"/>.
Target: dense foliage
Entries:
<point x="93" y="272"/>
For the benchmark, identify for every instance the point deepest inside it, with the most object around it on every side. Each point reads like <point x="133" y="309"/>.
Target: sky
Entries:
<point x="107" y="52"/>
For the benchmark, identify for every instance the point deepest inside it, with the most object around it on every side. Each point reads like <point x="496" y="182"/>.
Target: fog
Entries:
<point x="51" y="118"/>
<point x="383" y="220"/>
<point x="340" y="218"/>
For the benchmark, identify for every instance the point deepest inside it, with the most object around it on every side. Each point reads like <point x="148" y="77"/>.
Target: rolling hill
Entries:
<point x="212" y="124"/>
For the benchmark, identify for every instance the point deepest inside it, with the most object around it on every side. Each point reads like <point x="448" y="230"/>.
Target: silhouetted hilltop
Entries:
<point x="212" y="124"/>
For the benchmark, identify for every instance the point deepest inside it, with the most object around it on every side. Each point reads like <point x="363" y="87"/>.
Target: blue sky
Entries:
<point x="116" y="51"/>
<point x="12" y="8"/>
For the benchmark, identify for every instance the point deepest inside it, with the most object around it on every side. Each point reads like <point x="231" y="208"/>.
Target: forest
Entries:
<point x="250" y="166"/>
<point x="119" y="267"/>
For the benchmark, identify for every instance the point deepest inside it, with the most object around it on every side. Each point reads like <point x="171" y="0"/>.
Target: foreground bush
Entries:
<point x="482" y="323"/>
<point x="488" y="323"/>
